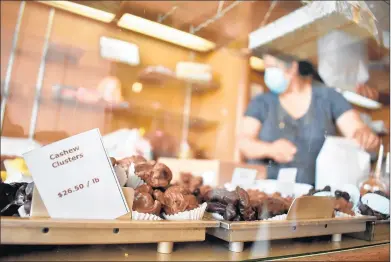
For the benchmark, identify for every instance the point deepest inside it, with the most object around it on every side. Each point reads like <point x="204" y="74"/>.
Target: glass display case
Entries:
<point x="129" y="70"/>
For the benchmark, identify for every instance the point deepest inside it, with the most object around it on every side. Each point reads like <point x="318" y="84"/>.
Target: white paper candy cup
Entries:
<point x="217" y="216"/>
<point x="134" y="182"/>
<point x="340" y="214"/>
<point x="279" y="217"/>
<point x="143" y="216"/>
<point x="195" y="214"/>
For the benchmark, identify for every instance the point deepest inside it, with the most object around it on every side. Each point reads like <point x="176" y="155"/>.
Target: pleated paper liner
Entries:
<point x="143" y="216"/>
<point x="195" y="214"/>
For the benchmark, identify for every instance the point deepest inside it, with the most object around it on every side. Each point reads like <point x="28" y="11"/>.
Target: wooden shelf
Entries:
<point x="159" y="75"/>
<point x="297" y="33"/>
<point x="126" y="109"/>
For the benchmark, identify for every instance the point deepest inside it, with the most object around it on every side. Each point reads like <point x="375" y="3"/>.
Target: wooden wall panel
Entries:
<point x="81" y="35"/>
<point x="222" y="105"/>
<point x="25" y="69"/>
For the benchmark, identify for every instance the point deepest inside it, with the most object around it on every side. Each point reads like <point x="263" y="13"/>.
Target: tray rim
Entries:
<point x="242" y="225"/>
<point x="39" y="222"/>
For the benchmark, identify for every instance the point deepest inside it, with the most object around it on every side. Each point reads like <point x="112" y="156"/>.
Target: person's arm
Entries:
<point x="249" y="144"/>
<point x="350" y="124"/>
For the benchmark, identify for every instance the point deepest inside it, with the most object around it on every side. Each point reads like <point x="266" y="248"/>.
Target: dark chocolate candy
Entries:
<point x="216" y="207"/>
<point x="230" y="212"/>
<point x="223" y="196"/>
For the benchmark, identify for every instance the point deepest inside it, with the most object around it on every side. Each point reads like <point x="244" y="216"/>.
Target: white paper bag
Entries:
<point x="341" y="161"/>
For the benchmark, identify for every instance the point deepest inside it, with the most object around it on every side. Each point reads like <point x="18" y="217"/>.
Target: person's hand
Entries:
<point x="367" y="91"/>
<point x="367" y="139"/>
<point x="283" y="151"/>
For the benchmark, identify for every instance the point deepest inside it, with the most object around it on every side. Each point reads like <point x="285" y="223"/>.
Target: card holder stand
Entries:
<point x="40" y="229"/>
<point x="308" y="216"/>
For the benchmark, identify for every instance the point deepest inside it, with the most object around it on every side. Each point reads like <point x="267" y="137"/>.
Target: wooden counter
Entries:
<point x="212" y="249"/>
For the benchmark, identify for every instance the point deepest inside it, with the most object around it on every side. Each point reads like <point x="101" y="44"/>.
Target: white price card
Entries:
<point x="287" y="175"/>
<point x="75" y="178"/>
<point x="243" y="176"/>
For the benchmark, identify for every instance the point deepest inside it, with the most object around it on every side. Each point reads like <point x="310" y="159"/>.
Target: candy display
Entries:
<point x="342" y="199"/>
<point x="242" y="205"/>
<point x="154" y="193"/>
<point x="375" y="204"/>
<point x="15" y="199"/>
<point x="369" y="204"/>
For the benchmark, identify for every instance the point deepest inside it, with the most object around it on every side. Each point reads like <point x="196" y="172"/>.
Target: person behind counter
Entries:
<point x="287" y="127"/>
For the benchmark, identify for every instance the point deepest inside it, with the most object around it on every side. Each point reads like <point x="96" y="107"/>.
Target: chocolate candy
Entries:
<point x="271" y="207"/>
<point x="230" y="212"/>
<point x="143" y="189"/>
<point x="216" y="207"/>
<point x="223" y="196"/>
<point x="144" y="203"/>
<point x="248" y="213"/>
<point x="178" y="189"/>
<point x="154" y="174"/>
<point x="244" y="199"/>
<point x="185" y="177"/>
<point x="192" y="202"/>
<point x="174" y="202"/>
<point x="195" y="183"/>
<point x="127" y="161"/>
<point x="344" y="206"/>
<point x="158" y="195"/>
<point x="237" y="218"/>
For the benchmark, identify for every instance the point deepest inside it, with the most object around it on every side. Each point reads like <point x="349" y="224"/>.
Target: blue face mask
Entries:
<point x="275" y="80"/>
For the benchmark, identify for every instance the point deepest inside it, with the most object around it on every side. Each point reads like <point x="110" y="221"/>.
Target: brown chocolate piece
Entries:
<point x="174" y="202"/>
<point x="195" y="183"/>
<point x="236" y="218"/>
<point x="244" y="199"/>
<point x="343" y="206"/>
<point x="216" y="207"/>
<point x="223" y="196"/>
<point x="158" y="195"/>
<point x="144" y="189"/>
<point x="202" y="192"/>
<point x="178" y="189"/>
<point x="144" y="203"/>
<point x="271" y="207"/>
<point x="127" y="161"/>
<point x="192" y="202"/>
<point x="230" y="212"/>
<point x="185" y="177"/>
<point x="248" y="213"/>
<point x="154" y="174"/>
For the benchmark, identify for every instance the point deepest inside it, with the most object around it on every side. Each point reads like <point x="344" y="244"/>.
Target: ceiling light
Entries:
<point x="137" y="87"/>
<point x="81" y="10"/>
<point x="166" y="33"/>
<point x="257" y="63"/>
